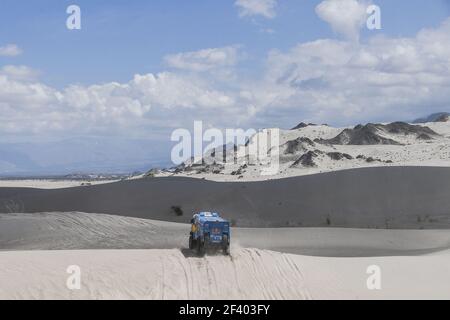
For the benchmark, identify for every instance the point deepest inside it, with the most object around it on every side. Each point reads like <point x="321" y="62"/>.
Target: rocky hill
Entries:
<point x="309" y="149"/>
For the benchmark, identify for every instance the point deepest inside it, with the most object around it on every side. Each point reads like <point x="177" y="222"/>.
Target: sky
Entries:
<point x="138" y="69"/>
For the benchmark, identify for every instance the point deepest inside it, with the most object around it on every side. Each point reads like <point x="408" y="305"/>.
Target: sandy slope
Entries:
<point x="248" y="274"/>
<point x="48" y="184"/>
<point x="74" y="230"/>
<point x="401" y="198"/>
<point x="335" y="269"/>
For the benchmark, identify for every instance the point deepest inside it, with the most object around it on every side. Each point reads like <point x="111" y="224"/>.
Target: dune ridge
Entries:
<point x="384" y="197"/>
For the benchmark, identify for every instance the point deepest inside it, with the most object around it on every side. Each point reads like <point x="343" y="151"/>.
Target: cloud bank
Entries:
<point x="326" y="80"/>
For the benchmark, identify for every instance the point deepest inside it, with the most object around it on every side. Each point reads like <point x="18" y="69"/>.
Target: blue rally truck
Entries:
<point x="209" y="232"/>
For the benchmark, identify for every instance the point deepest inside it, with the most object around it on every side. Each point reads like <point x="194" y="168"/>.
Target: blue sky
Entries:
<point x="120" y="38"/>
<point x="137" y="70"/>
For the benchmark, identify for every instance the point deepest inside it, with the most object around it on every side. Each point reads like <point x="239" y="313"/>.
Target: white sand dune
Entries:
<point x="414" y="264"/>
<point x="247" y="274"/>
<point x="49" y="183"/>
<point x="75" y="230"/>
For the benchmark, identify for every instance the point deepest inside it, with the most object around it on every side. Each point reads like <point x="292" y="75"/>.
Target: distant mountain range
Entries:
<point x="81" y="155"/>
<point x="435" y="117"/>
<point x="305" y="145"/>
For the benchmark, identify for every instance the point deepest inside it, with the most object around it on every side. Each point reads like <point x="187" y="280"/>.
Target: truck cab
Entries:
<point x="209" y="232"/>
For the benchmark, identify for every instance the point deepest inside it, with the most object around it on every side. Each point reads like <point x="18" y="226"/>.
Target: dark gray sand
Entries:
<point x="385" y="197"/>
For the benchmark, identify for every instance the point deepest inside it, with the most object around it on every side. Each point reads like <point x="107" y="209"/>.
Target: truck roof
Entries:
<point x="210" y="216"/>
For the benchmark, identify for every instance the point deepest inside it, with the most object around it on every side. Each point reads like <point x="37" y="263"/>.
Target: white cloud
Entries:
<point x="390" y="78"/>
<point x="19" y="72"/>
<point x="336" y="81"/>
<point x="33" y="108"/>
<point x="346" y="17"/>
<point x="204" y="60"/>
<point x="10" y="50"/>
<point x="264" y="8"/>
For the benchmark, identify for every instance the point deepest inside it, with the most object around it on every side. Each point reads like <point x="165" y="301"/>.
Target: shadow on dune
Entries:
<point x="387" y="197"/>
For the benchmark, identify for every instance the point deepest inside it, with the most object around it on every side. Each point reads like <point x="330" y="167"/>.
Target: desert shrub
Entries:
<point x="178" y="211"/>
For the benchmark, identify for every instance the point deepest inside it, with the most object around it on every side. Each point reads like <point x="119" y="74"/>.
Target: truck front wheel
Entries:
<point x="191" y="243"/>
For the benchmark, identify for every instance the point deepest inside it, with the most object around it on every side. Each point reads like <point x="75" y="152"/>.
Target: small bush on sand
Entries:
<point x="178" y="211"/>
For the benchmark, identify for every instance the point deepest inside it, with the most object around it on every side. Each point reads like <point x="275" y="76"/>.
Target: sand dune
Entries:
<point x="247" y="274"/>
<point x="76" y="230"/>
<point x="64" y="231"/>
<point x="408" y="197"/>
<point x="49" y="184"/>
<point x="264" y="263"/>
